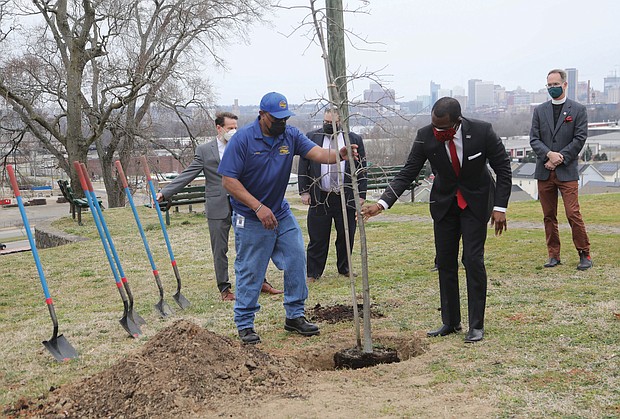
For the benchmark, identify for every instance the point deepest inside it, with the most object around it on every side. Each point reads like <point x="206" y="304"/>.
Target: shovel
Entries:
<point x="58" y="345"/>
<point x="132" y="313"/>
<point x="178" y="297"/>
<point x="127" y="322"/>
<point x="162" y="307"/>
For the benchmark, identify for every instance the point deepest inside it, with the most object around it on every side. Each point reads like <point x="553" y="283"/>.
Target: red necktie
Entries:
<point x="457" y="169"/>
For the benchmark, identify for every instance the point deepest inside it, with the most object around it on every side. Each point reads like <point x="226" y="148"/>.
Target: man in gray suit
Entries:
<point x="217" y="206"/>
<point x="559" y="131"/>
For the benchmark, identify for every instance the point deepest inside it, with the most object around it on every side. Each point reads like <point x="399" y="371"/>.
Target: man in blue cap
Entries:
<point x="255" y="170"/>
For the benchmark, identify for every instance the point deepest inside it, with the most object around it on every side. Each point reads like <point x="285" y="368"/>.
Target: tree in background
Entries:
<point x="89" y="72"/>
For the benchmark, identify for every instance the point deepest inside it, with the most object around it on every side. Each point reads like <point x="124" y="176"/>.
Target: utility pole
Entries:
<point x="337" y="60"/>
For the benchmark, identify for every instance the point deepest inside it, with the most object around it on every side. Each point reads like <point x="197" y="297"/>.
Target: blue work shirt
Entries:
<point x="264" y="170"/>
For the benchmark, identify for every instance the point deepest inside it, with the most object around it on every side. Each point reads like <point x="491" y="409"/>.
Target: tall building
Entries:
<point x="379" y="95"/>
<point x="434" y="92"/>
<point x="611" y="88"/>
<point x="471" y="93"/>
<point x="572" y="83"/>
<point x="484" y="94"/>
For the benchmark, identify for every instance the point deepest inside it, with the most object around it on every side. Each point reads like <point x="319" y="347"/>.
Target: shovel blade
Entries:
<point x="131" y="328"/>
<point x="60" y="348"/>
<point x="181" y="300"/>
<point x="163" y="309"/>
<point x="136" y="318"/>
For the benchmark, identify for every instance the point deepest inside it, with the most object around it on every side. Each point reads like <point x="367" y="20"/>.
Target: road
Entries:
<point x="12" y="232"/>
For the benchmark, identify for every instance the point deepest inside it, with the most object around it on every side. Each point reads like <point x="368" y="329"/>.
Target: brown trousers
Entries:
<point x="548" y="196"/>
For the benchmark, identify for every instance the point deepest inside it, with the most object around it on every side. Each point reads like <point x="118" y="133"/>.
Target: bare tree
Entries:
<point x="90" y="72"/>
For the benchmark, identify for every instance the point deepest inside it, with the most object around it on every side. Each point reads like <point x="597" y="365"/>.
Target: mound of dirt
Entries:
<point x="183" y="371"/>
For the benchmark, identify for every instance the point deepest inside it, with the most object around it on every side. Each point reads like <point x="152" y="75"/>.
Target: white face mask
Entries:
<point x="228" y="135"/>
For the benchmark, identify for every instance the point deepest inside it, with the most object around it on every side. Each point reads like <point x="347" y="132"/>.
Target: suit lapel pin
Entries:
<point x="468" y="136"/>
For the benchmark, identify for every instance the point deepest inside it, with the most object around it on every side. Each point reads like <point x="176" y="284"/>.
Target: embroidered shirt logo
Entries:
<point x="284" y="150"/>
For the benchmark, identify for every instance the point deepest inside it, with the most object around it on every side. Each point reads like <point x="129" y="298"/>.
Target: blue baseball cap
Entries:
<point x="276" y="104"/>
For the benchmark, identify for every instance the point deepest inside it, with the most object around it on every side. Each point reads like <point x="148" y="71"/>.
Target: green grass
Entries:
<point x="552" y="336"/>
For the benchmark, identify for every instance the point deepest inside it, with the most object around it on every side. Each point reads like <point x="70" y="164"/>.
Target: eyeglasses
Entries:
<point x="274" y="119"/>
<point x="553" y="85"/>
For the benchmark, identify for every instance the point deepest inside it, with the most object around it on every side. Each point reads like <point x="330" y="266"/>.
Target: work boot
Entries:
<point x="585" y="261"/>
<point x="248" y="336"/>
<point x="301" y="326"/>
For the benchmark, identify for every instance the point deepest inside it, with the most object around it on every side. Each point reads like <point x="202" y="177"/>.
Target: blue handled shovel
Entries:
<point x="126" y="321"/>
<point x="58" y="345"/>
<point x="161" y="306"/>
<point x="178" y="297"/>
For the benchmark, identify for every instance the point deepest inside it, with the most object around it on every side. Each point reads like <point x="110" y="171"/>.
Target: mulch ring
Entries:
<point x="339" y="313"/>
<point x="182" y="371"/>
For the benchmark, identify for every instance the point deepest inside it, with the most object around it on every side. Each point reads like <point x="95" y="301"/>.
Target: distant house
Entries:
<point x="517" y="194"/>
<point x="523" y="177"/>
<point x="610" y="170"/>
<point x="594" y="187"/>
<point x="589" y="173"/>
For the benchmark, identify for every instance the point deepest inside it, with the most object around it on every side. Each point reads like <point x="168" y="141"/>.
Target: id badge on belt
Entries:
<point x="239" y="221"/>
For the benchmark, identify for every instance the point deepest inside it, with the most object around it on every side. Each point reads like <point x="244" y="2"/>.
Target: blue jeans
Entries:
<point x="255" y="245"/>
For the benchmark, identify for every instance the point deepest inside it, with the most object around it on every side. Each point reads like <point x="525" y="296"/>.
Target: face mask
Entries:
<point x="328" y="128"/>
<point x="555" y="91"/>
<point x="277" y="128"/>
<point x="228" y="135"/>
<point x="444" y="134"/>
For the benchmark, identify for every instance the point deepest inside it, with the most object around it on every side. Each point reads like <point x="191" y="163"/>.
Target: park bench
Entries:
<point x="190" y="195"/>
<point x="379" y="177"/>
<point x="75" y="204"/>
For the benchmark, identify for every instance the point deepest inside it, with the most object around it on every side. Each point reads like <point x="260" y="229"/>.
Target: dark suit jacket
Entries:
<point x="206" y="160"/>
<point x="480" y="144"/>
<point x="568" y="138"/>
<point x="309" y="171"/>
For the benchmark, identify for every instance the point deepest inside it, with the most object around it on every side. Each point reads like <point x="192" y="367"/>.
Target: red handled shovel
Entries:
<point x="58" y="345"/>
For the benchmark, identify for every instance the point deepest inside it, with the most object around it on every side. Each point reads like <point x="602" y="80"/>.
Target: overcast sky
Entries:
<point x="510" y="42"/>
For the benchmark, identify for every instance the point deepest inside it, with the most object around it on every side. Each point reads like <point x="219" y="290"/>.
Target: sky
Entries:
<point x="512" y="43"/>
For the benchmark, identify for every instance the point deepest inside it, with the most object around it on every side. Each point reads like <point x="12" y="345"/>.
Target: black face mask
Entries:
<point x="277" y="128"/>
<point x="328" y="128"/>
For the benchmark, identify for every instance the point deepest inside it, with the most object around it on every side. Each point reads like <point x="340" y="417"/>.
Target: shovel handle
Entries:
<point x="78" y="169"/>
<point x="145" y="167"/>
<point x="121" y="173"/>
<point x="14" y="184"/>
<point x="88" y="182"/>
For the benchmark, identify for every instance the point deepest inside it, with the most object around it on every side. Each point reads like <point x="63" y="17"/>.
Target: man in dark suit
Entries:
<point x="463" y="198"/>
<point x="217" y="206"/>
<point x="320" y="187"/>
<point x="559" y="131"/>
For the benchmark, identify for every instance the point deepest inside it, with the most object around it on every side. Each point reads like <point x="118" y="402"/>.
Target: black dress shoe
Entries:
<point x="474" y="335"/>
<point x="444" y="330"/>
<point x="301" y="326"/>
<point x="552" y="263"/>
<point x="249" y="336"/>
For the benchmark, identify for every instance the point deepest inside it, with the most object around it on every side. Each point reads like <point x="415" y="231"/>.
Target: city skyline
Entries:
<point x="513" y="44"/>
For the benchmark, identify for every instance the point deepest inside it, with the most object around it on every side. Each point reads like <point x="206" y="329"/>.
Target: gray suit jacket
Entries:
<point x="568" y="138"/>
<point x="206" y="160"/>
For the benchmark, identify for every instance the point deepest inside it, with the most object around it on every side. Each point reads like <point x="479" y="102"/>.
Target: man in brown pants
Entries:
<point x="559" y="131"/>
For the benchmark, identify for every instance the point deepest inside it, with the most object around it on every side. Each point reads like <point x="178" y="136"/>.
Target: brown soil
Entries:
<point x="338" y="313"/>
<point x="183" y="370"/>
<point x="187" y="371"/>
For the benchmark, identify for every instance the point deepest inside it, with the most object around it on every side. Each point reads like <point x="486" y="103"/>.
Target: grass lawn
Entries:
<point x="552" y="341"/>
